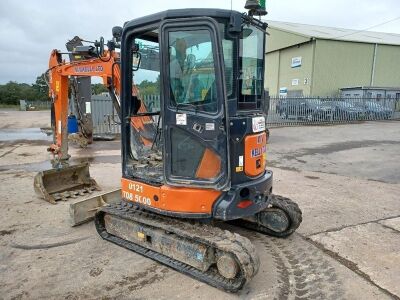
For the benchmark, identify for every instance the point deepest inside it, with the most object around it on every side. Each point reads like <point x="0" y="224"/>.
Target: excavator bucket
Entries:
<point x="68" y="182"/>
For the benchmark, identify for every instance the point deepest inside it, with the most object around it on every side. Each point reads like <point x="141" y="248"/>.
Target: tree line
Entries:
<point x="12" y="92"/>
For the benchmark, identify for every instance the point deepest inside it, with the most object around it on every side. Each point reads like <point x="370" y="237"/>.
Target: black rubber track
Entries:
<point x="290" y="208"/>
<point x="242" y="249"/>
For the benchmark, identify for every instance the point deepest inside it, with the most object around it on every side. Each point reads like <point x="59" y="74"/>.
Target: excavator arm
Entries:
<point x="106" y="67"/>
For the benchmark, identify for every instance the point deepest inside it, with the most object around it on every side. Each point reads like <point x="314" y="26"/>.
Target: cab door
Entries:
<point x="194" y="104"/>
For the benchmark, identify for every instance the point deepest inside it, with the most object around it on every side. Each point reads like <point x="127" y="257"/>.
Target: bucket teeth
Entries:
<point x="68" y="182"/>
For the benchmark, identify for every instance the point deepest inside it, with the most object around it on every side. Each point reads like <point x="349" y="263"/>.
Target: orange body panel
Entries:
<point x="210" y="165"/>
<point x="89" y="67"/>
<point x="139" y="124"/>
<point x="254" y="154"/>
<point x="172" y="199"/>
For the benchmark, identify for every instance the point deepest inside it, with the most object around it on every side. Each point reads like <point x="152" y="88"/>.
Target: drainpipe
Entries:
<point x="278" y="73"/>
<point x="313" y="44"/>
<point x="373" y="65"/>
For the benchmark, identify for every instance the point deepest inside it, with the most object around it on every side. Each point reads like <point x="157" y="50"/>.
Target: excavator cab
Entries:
<point x="208" y="68"/>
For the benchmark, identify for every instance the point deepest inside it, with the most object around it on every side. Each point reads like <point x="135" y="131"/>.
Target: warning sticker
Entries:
<point x="181" y="119"/>
<point x="239" y="169"/>
<point x="240" y="160"/>
<point x="88" y="108"/>
<point x="258" y="124"/>
<point x="210" y="126"/>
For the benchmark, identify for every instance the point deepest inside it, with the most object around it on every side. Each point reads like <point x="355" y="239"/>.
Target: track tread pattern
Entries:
<point x="240" y="247"/>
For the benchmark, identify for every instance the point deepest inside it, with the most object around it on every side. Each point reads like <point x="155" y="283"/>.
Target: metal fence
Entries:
<point x="315" y="110"/>
<point x="104" y="116"/>
<point x="289" y="111"/>
<point x="152" y="102"/>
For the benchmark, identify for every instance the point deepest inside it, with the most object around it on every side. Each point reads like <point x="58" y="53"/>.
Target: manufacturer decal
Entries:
<point x="88" y="69"/>
<point x="258" y="151"/>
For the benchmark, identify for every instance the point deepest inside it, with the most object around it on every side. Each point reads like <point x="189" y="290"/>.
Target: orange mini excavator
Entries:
<point x="213" y="136"/>
<point x="65" y="180"/>
<point x="210" y="163"/>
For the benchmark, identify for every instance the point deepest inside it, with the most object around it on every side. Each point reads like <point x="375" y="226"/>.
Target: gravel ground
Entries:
<point x="345" y="178"/>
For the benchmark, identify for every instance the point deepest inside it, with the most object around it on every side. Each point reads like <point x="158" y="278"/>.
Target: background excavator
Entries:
<point x="211" y="137"/>
<point x="65" y="180"/>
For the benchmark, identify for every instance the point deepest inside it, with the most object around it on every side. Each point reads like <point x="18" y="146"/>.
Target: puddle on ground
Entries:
<point x="43" y="135"/>
<point x="29" y="134"/>
<point x="46" y="165"/>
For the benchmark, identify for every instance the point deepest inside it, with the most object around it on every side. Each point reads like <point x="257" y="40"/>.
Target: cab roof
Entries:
<point x="182" y="13"/>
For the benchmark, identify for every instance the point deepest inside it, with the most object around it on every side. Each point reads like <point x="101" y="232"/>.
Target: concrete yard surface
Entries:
<point x="345" y="178"/>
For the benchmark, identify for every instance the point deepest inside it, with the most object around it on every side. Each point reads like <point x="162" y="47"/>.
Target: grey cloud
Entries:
<point x="29" y="30"/>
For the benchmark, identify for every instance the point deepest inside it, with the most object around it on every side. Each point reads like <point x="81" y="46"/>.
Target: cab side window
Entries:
<point x="191" y="70"/>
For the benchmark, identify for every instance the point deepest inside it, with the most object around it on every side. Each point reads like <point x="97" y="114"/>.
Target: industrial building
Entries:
<point x="370" y="92"/>
<point x="308" y="60"/>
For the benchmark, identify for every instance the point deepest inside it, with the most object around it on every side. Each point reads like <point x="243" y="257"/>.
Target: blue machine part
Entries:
<point x="72" y="124"/>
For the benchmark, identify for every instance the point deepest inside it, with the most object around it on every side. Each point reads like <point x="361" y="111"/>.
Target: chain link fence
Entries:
<point x="290" y="111"/>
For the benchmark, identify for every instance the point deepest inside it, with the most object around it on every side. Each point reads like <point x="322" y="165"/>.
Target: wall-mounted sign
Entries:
<point x="295" y="81"/>
<point x="282" y="92"/>
<point x="296" y="62"/>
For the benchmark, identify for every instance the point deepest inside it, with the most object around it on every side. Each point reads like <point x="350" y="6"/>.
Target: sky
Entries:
<point x="30" y="29"/>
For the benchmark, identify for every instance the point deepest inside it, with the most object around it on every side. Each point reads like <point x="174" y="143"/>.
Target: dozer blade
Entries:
<point x="83" y="210"/>
<point x="64" y="183"/>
